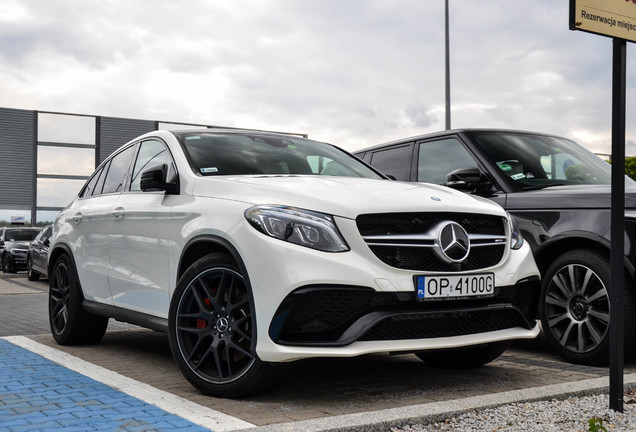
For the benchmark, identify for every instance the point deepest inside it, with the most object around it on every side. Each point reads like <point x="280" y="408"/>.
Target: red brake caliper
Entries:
<point x="201" y="323"/>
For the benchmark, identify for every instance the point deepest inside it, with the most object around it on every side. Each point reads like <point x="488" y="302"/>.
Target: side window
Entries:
<point x="395" y="161"/>
<point x="90" y="188"/>
<point x="438" y="158"/>
<point x="151" y="154"/>
<point x="116" y="176"/>
<point x="46" y="234"/>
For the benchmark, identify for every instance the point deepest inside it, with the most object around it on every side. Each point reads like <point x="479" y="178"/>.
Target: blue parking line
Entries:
<point x="37" y="394"/>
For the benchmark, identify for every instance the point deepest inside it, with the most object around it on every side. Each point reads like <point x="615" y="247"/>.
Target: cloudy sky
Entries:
<point x="351" y="72"/>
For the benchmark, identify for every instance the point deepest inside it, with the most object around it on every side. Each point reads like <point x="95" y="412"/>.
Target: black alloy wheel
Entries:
<point x="70" y="323"/>
<point x="59" y="299"/>
<point x="211" y="330"/>
<point x="575" y="307"/>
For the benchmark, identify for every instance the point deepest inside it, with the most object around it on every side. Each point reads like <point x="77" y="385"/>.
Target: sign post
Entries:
<point x="616" y="19"/>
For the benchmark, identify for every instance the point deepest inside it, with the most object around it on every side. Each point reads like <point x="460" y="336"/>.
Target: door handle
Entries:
<point x="77" y="218"/>
<point x="119" y="213"/>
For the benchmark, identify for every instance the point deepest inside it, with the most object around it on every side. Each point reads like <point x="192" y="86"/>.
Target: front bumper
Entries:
<point x="18" y="259"/>
<point x="324" y="316"/>
<point x="310" y="303"/>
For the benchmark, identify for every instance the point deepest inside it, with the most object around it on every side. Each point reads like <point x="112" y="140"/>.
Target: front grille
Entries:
<point x="407" y="240"/>
<point x="423" y="259"/>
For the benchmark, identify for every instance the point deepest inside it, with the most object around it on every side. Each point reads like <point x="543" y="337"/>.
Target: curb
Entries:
<point x="383" y="420"/>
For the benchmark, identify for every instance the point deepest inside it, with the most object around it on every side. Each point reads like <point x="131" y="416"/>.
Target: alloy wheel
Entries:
<point x="577" y="308"/>
<point x="213" y="326"/>
<point x="59" y="298"/>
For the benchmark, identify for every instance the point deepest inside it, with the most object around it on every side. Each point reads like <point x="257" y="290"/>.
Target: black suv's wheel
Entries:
<point x="32" y="275"/>
<point x="574" y="307"/>
<point x="70" y="323"/>
<point x="464" y="358"/>
<point x="211" y="328"/>
<point x="7" y="264"/>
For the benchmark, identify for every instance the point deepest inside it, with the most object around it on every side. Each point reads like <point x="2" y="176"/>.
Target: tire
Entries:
<point x="70" y="323"/>
<point x="574" y="307"/>
<point x="464" y="358"/>
<point x="7" y="264"/>
<point x="32" y="275"/>
<point x="211" y="328"/>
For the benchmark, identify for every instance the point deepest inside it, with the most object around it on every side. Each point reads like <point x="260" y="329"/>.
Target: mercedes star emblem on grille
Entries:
<point x="452" y="242"/>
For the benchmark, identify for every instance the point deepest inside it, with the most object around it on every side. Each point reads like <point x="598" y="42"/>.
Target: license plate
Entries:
<point x="454" y="286"/>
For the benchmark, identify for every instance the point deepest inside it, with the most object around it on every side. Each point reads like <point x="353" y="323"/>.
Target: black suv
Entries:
<point x="560" y="195"/>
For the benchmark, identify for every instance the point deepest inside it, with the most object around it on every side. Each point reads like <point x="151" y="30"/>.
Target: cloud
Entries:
<point x="351" y="73"/>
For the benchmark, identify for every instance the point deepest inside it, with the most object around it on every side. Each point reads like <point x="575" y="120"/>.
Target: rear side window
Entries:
<point x="116" y="177"/>
<point x="438" y="158"/>
<point x="395" y="161"/>
<point x="94" y="185"/>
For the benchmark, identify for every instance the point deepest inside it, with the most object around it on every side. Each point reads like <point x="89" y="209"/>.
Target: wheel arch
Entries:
<point x="60" y="248"/>
<point x="547" y="252"/>
<point x="203" y="245"/>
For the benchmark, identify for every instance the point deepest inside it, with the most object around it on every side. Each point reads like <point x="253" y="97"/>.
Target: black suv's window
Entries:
<point x="394" y="161"/>
<point x="117" y="171"/>
<point x="223" y="154"/>
<point x="438" y="158"/>
<point x="151" y="154"/>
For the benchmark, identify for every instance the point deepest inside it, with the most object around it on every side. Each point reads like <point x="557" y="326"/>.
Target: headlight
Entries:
<point x="302" y="227"/>
<point x="516" y="239"/>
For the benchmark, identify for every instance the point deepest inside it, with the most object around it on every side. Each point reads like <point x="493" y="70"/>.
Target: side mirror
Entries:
<point x="154" y="179"/>
<point x="469" y="179"/>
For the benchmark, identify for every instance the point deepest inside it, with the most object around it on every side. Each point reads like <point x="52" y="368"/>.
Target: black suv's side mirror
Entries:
<point x="154" y="179"/>
<point x="469" y="179"/>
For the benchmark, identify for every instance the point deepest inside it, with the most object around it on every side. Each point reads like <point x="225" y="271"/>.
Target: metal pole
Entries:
<point x="448" y="103"/>
<point x="618" y="226"/>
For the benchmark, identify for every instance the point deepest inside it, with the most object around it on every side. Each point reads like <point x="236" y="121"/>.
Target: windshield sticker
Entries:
<point x="192" y="137"/>
<point x="517" y="176"/>
<point x="209" y="170"/>
<point x="504" y="166"/>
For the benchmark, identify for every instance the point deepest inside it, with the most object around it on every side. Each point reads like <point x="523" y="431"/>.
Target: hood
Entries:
<point x="342" y="196"/>
<point x="579" y="197"/>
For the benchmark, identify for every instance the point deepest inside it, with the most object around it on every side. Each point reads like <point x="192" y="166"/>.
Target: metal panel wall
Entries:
<point x="113" y="132"/>
<point x="17" y="158"/>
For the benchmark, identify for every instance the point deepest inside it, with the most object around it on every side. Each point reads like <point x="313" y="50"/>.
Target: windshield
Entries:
<point x="216" y="154"/>
<point x="535" y="161"/>
<point x="20" y="235"/>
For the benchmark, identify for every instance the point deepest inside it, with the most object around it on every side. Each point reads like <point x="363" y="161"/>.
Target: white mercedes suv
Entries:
<point x="252" y="249"/>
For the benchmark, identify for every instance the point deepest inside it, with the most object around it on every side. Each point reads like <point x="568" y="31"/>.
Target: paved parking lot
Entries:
<point x="315" y="392"/>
